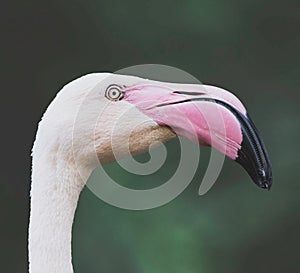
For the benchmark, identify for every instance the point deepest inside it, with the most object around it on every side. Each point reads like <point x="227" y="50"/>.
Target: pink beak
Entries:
<point x="207" y="115"/>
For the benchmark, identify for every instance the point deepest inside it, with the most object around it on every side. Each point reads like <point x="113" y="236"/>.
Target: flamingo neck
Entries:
<point x="55" y="190"/>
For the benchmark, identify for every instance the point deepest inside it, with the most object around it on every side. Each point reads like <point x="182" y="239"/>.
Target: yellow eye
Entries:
<point x="113" y="92"/>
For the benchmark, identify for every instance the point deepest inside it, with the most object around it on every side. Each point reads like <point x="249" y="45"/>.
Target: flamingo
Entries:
<point x="62" y="161"/>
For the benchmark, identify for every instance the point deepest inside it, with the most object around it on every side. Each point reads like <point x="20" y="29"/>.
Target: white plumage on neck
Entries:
<point x="56" y="183"/>
<point x="54" y="197"/>
<point x="58" y="177"/>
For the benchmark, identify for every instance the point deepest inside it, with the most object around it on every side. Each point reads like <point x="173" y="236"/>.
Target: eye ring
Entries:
<point x="114" y="93"/>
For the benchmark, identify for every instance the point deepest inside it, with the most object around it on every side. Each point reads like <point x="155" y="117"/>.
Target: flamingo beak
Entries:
<point x="209" y="116"/>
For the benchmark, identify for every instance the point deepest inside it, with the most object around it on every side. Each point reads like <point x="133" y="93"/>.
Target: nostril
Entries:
<point x="190" y="93"/>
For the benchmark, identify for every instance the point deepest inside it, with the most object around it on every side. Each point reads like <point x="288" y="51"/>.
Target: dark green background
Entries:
<point x="249" y="47"/>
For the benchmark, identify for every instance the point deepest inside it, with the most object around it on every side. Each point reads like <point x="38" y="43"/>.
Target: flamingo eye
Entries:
<point x="113" y="92"/>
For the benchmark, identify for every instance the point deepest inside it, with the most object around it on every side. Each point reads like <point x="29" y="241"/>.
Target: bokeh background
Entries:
<point x="249" y="47"/>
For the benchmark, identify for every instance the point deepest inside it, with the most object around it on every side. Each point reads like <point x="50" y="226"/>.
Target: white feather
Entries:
<point x="75" y="131"/>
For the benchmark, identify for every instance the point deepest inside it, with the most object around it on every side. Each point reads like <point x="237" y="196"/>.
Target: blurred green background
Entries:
<point x="249" y="47"/>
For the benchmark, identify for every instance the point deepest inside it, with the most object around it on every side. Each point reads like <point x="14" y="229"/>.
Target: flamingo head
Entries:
<point x="116" y="114"/>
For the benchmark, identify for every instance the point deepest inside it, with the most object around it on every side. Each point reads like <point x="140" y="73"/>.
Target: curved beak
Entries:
<point x="207" y="115"/>
<point x="253" y="155"/>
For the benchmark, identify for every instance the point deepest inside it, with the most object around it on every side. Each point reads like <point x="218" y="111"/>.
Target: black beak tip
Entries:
<point x="262" y="177"/>
<point x="253" y="155"/>
<point x="267" y="186"/>
<point x="265" y="183"/>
